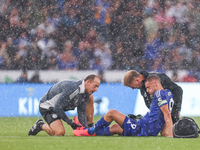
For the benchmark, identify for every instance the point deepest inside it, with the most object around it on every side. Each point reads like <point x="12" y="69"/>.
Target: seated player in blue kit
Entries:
<point x="157" y="119"/>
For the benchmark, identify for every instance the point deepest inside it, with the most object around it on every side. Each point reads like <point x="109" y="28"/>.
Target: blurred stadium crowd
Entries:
<point x="152" y="35"/>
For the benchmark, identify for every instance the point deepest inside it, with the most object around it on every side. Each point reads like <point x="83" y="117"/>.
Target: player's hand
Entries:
<point x="74" y="126"/>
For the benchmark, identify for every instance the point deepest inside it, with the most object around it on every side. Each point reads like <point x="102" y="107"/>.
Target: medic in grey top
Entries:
<point x="63" y="96"/>
<point x="66" y="95"/>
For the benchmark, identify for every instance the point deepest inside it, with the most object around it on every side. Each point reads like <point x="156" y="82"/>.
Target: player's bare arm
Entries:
<point x="167" y="128"/>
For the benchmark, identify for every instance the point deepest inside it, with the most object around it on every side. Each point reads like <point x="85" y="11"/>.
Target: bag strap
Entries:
<point x="193" y="122"/>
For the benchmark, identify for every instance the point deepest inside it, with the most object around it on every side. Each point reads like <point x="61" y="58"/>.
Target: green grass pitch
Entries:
<point x="13" y="136"/>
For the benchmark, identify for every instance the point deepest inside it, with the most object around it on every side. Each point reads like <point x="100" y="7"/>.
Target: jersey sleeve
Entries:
<point x="161" y="98"/>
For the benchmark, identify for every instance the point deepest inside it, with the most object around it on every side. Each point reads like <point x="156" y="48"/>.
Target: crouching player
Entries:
<point x="158" y="118"/>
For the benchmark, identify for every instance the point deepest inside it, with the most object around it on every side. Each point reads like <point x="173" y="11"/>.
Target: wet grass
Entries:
<point x="13" y="136"/>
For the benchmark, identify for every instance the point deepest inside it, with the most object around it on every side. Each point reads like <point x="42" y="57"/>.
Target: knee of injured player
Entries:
<point x="110" y="113"/>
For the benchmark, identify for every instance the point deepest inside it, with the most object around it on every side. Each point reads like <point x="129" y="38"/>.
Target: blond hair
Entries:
<point x="130" y="76"/>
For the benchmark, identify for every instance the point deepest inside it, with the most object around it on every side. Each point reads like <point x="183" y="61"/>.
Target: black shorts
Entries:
<point x="49" y="115"/>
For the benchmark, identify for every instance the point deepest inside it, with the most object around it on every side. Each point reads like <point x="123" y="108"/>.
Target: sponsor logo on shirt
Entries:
<point x="128" y="121"/>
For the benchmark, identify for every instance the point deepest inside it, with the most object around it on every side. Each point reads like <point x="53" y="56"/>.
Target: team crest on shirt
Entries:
<point x="54" y="116"/>
<point x="169" y="93"/>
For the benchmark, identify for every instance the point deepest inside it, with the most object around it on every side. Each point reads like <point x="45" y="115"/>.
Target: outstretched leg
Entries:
<point x="111" y="115"/>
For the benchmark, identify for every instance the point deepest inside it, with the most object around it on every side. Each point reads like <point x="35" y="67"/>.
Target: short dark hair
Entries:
<point x="152" y="77"/>
<point x="91" y="77"/>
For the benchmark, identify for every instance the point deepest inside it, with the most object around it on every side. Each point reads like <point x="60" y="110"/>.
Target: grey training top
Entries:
<point x="66" y="95"/>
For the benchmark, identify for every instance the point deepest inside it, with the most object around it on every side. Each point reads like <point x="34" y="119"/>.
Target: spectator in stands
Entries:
<point x="70" y="19"/>
<point x="11" y="50"/>
<point x="46" y="44"/>
<point x="91" y="38"/>
<point x="46" y="27"/>
<point x="162" y="62"/>
<point x="34" y="57"/>
<point x="35" y="78"/>
<point x="14" y="17"/>
<point x="103" y="51"/>
<point x="52" y="64"/>
<point x="85" y="14"/>
<point x="4" y="57"/>
<point x="175" y="76"/>
<point x="152" y="49"/>
<point x="163" y="19"/>
<point x="66" y="60"/>
<point x="22" y="51"/>
<point x="23" y="39"/>
<point x="190" y="77"/>
<point x="195" y="61"/>
<point x="102" y="17"/>
<point x="101" y="76"/>
<point x="95" y="63"/>
<point x="185" y="52"/>
<point x="117" y="28"/>
<point x="54" y="19"/>
<point x="82" y="55"/>
<point x="14" y="22"/>
<point x="136" y="40"/>
<point x="149" y="22"/>
<point x="118" y="57"/>
<point x="23" y="77"/>
<point x="176" y="60"/>
<point x="3" y="7"/>
<point x="5" y="28"/>
<point x="181" y="16"/>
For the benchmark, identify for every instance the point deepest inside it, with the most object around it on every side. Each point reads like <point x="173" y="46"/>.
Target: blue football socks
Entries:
<point x="98" y="126"/>
<point x="104" y="132"/>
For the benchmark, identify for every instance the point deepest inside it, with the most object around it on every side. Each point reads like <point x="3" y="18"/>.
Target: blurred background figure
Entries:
<point x="23" y="77"/>
<point x="95" y="64"/>
<point x="101" y="76"/>
<point x="35" y="78"/>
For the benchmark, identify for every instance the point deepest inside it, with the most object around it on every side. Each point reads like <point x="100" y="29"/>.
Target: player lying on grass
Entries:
<point x="63" y="96"/>
<point x="158" y="118"/>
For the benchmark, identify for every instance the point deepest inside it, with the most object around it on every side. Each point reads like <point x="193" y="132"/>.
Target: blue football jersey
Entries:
<point x="154" y="119"/>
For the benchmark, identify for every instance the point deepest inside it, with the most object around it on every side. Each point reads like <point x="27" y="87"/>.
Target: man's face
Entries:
<point x="136" y="84"/>
<point x="91" y="87"/>
<point x="150" y="87"/>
